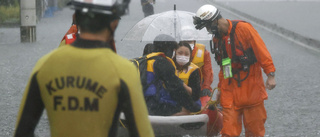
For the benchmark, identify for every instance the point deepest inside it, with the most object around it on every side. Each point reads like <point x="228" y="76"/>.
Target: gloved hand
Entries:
<point x="205" y="92"/>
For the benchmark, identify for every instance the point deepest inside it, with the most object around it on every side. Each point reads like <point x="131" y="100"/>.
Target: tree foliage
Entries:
<point x="9" y="2"/>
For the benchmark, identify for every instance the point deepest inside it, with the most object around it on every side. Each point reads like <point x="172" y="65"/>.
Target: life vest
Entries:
<point x="241" y="59"/>
<point x="156" y="87"/>
<point x="185" y="76"/>
<point x="73" y="29"/>
<point x="198" y="57"/>
<point x="70" y="38"/>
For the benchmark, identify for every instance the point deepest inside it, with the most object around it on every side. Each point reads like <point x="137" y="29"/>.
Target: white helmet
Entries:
<point x="204" y="15"/>
<point x="109" y="7"/>
<point x="188" y="33"/>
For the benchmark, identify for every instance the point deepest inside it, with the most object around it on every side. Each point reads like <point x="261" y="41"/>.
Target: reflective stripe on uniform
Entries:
<point x="198" y="56"/>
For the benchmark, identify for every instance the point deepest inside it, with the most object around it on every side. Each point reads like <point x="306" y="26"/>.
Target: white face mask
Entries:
<point x="192" y="46"/>
<point x="182" y="60"/>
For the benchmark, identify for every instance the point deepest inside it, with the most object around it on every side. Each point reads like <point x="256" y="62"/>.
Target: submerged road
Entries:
<point x="293" y="106"/>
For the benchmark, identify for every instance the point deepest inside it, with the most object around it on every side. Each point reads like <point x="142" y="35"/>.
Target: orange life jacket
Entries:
<point x="70" y="38"/>
<point x="198" y="55"/>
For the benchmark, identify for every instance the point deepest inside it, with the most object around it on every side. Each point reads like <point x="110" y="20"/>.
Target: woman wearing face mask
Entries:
<point x="188" y="72"/>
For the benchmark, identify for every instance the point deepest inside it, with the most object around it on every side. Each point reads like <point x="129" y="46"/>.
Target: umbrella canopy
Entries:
<point x="178" y="24"/>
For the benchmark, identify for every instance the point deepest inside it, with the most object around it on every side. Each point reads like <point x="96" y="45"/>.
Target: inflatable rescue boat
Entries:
<point x="208" y="124"/>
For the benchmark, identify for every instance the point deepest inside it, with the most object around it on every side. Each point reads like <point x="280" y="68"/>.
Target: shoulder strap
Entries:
<point x="249" y="52"/>
<point x="233" y="47"/>
<point x="224" y="50"/>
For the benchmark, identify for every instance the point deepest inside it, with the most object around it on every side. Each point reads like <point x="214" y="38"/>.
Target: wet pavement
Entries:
<point x="300" y="16"/>
<point x="294" y="20"/>
<point x="293" y="106"/>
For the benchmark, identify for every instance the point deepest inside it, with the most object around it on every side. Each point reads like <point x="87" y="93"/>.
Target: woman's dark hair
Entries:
<point x="184" y="44"/>
<point x="93" y="22"/>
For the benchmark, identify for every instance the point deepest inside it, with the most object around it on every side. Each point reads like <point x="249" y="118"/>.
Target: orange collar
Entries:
<point x="230" y="27"/>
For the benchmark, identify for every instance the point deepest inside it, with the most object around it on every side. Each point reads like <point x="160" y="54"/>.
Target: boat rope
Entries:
<point x="214" y="103"/>
<point x="210" y="102"/>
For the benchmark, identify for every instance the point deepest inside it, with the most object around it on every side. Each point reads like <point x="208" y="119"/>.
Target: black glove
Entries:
<point x="205" y="92"/>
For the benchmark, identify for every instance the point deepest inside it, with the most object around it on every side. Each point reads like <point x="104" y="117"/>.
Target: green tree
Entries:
<point x="9" y="2"/>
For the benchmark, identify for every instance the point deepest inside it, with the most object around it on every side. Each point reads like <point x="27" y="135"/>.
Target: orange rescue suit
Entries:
<point x="250" y="95"/>
<point x="252" y="90"/>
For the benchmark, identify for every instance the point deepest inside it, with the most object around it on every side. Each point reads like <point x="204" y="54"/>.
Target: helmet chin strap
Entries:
<point x="214" y="30"/>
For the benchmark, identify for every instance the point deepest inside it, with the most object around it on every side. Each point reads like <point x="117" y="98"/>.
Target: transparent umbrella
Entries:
<point x="173" y="23"/>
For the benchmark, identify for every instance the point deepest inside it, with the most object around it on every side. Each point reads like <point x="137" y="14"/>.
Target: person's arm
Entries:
<point x="166" y="72"/>
<point x="260" y="50"/>
<point x="32" y="105"/>
<point x="250" y="36"/>
<point x="189" y="89"/>
<point x="271" y="82"/>
<point x="207" y="72"/>
<point x="219" y="84"/>
<point x="30" y="111"/>
<point x="194" y="83"/>
<point x="133" y="104"/>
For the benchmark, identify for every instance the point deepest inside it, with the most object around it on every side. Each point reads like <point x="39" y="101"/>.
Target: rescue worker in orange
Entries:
<point x="73" y="33"/>
<point x="70" y="36"/>
<point x="200" y="57"/>
<point x="241" y="53"/>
